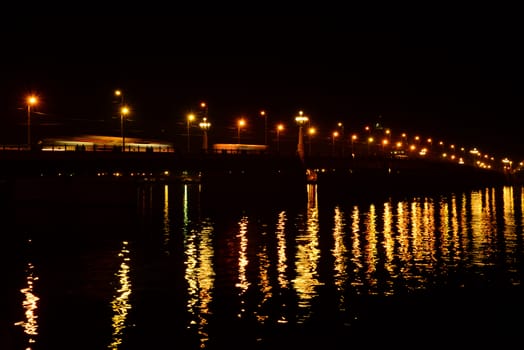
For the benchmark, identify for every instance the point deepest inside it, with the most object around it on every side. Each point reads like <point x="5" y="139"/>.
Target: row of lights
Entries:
<point x="300" y="119"/>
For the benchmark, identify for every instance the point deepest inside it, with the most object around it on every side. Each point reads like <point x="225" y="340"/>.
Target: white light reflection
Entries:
<point x="120" y="303"/>
<point x="429" y="246"/>
<point x="264" y="285"/>
<point x="389" y="246"/>
<point x="307" y="257"/>
<point x="477" y="240"/>
<point x="403" y="237"/>
<point x="445" y="229"/>
<point x="243" y="261"/>
<point x="167" y="223"/>
<point x="370" y="249"/>
<point x="511" y="239"/>
<point x="200" y="277"/>
<point x="454" y="229"/>
<point x="520" y="203"/>
<point x="282" y="248"/>
<point x="185" y="207"/>
<point x="30" y="305"/>
<point x="282" y="259"/>
<point x="356" y="251"/>
<point x="340" y="255"/>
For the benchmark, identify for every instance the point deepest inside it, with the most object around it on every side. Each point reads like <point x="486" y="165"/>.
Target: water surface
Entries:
<point x="183" y="270"/>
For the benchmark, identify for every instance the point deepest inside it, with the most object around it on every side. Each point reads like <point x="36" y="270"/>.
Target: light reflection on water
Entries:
<point x="30" y="307"/>
<point x="120" y="304"/>
<point x="307" y="258"/>
<point x="248" y="276"/>
<point x="199" y="272"/>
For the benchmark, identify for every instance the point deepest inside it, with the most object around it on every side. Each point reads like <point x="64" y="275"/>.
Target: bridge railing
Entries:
<point x="89" y="148"/>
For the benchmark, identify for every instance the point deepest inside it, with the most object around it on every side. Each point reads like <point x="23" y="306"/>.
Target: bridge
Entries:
<point x="117" y="173"/>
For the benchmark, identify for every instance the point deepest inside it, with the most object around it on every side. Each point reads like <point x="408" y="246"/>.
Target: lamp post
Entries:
<point x="120" y="94"/>
<point x="263" y="114"/>
<point x="190" y="118"/>
<point x="342" y="136"/>
<point x="370" y="141"/>
<point x="204" y="125"/>
<point x="353" y="139"/>
<point x="311" y="131"/>
<point x="335" y="135"/>
<point x="31" y="101"/>
<point x="241" y="123"/>
<point x="123" y="112"/>
<point x="205" y="110"/>
<point x="301" y="120"/>
<point x="280" y="127"/>
<point x="405" y="142"/>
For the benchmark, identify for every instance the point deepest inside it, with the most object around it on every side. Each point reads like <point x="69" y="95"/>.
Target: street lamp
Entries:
<point x="311" y="131"/>
<point x="263" y="114"/>
<point x="370" y="141"/>
<point x="203" y="105"/>
<point x="241" y="123"/>
<point x="280" y="127"/>
<point x="120" y="94"/>
<point x="31" y="101"/>
<point x="341" y="126"/>
<point x="301" y="120"/>
<point x="353" y="139"/>
<point x="124" y="110"/>
<point x="190" y="118"/>
<point x="335" y="135"/>
<point x="204" y="125"/>
<point x="385" y="143"/>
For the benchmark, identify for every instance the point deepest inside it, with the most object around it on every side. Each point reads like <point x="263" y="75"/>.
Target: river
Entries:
<point x="186" y="270"/>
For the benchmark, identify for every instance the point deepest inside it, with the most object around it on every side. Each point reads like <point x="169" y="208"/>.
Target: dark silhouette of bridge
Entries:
<point x="245" y="172"/>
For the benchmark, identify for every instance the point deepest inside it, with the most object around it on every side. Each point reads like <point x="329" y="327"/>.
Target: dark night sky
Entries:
<point x="454" y="78"/>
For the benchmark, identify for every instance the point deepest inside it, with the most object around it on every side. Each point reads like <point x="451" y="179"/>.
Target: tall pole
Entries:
<point x="342" y="137"/>
<point x="241" y="123"/>
<point x="190" y="118"/>
<point x="29" y="125"/>
<point x="335" y="135"/>
<point x="301" y="119"/>
<point x="353" y="138"/>
<point x="263" y="113"/>
<point x="31" y="100"/>
<point x="122" y="130"/>
<point x="310" y="133"/>
<point x="123" y="112"/>
<point x="280" y="127"/>
<point x="120" y="94"/>
<point x="204" y="125"/>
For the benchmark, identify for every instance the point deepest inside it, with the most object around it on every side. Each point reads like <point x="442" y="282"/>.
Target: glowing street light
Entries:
<point x="384" y="143"/>
<point x="120" y="94"/>
<point x="190" y="118"/>
<point x="205" y="110"/>
<point x="263" y="114"/>
<point x="353" y="139"/>
<point x="31" y="101"/>
<point x="301" y="120"/>
<point x="204" y="125"/>
<point x="241" y="123"/>
<point x="370" y="141"/>
<point x="342" y="136"/>
<point x="311" y="131"/>
<point x="124" y="110"/>
<point x="280" y="127"/>
<point x="334" y="137"/>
